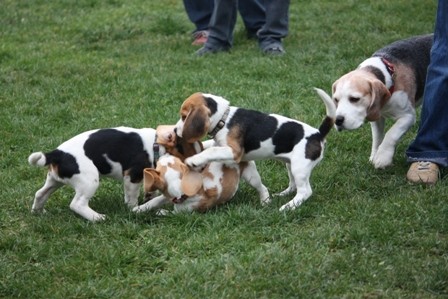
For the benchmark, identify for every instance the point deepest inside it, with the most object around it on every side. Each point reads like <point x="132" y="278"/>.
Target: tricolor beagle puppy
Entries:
<point x="245" y="135"/>
<point x="190" y="190"/>
<point x="386" y="85"/>
<point x="121" y="153"/>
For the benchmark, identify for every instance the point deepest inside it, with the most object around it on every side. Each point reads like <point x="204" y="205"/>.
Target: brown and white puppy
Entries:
<point x="190" y="190"/>
<point x="387" y="85"/>
<point x="246" y="135"/>
<point x="121" y="153"/>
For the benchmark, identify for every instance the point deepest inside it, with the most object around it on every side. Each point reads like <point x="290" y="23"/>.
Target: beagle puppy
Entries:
<point x="387" y="85"/>
<point x="190" y="190"/>
<point x="246" y="135"/>
<point x="121" y="153"/>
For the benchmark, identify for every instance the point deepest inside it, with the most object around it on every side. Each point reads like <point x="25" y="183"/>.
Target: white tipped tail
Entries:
<point x="329" y="104"/>
<point x="37" y="159"/>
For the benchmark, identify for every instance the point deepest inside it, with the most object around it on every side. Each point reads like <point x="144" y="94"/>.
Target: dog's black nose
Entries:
<point x="339" y="120"/>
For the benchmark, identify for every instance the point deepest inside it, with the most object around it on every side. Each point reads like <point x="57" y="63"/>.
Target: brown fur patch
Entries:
<point x="235" y="142"/>
<point x="196" y="116"/>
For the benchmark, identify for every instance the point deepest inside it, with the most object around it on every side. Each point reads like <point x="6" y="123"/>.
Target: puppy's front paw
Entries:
<point x="195" y="162"/>
<point x="383" y="159"/>
<point x="38" y="211"/>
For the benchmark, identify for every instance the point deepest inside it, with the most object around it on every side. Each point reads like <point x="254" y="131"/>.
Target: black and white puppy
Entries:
<point x="245" y="135"/>
<point x="387" y="85"/>
<point x="120" y="153"/>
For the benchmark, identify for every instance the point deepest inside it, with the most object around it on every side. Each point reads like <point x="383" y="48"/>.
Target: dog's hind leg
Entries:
<point x="301" y="175"/>
<point x="80" y="203"/>
<point x="131" y="192"/>
<point x="291" y="186"/>
<point x="42" y="195"/>
<point x="252" y="177"/>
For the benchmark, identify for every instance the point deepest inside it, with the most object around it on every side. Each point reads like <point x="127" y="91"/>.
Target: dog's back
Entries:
<point x="414" y="52"/>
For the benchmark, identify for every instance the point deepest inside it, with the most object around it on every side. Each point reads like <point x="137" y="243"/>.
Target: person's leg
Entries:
<point x="199" y="12"/>
<point x="276" y="26"/>
<point x="221" y="27"/>
<point x="253" y="14"/>
<point x="431" y="142"/>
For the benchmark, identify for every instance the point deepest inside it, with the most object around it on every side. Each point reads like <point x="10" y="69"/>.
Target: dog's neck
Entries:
<point x="220" y="119"/>
<point x="380" y="68"/>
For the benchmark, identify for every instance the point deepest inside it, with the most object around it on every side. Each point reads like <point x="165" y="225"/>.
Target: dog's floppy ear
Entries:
<point x="151" y="179"/>
<point x="191" y="182"/>
<point x="380" y="94"/>
<point x="196" y="124"/>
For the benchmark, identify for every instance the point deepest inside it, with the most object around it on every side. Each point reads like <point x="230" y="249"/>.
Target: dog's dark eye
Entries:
<point x="336" y="100"/>
<point x="353" y="100"/>
<point x="183" y="117"/>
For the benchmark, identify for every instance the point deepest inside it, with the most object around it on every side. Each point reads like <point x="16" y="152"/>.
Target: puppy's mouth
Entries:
<point x="179" y="200"/>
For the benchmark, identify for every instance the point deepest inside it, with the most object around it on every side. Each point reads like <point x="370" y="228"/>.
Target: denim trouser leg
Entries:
<point x="222" y="24"/>
<point x="199" y="12"/>
<point x="276" y="26"/>
<point x="253" y="14"/>
<point x="431" y="142"/>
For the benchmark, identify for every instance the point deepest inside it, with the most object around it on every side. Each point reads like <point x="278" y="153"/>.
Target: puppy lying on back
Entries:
<point x="190" y="190"/>
<point x="387" y="85"/>
<point x="121" y="153"/>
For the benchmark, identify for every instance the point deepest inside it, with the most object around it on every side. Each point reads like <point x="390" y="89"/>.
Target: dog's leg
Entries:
<point x="377" y="128"/>
<point x="214" y="153"/>
<point x="131" y="192"/>
<point x="85" y="189"/>
<point x="292" y="185"/>
<point x="252" y="177"/>
<point x="301" y="171"/>
<point x="154" y="203"/>
<point x="44" y="193"/>
<point x="386" y="150"/>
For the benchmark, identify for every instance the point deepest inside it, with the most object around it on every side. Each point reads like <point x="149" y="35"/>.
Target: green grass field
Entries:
<point x="68" y="66"/>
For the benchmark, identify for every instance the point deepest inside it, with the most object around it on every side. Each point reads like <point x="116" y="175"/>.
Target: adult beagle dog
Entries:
<point x="387" y="85"/>
<point x="246" y="135"/>
<point x="121" y="153"/>
<point x="190" y="190"/>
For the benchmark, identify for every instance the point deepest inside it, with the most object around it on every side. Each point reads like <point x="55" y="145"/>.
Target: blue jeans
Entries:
<point x="431" y="142"/>
<point x="274" y="24"/>
<point x="200" y="12"/>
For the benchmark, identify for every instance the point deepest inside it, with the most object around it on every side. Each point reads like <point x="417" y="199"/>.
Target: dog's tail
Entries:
<point x="37" y="159"/>
<point x="330" y="119"/>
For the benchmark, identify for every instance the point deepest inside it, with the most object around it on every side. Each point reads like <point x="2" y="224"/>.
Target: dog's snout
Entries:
<point x="339" y="120"/>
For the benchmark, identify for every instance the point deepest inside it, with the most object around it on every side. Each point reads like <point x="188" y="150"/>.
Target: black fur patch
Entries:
<point x="286" y="137"/>
<point x="211" y="104"/>
<point x="255" y="127"/>
<point x="124" y="148"/>
<point x="66" y="163"/>
<point x="313" y="148"/>
<point x="377" y="72"/>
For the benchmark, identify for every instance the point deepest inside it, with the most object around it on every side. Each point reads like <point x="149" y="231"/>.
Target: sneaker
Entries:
<point x="205" y="50"/>
<point x="423" y="172"/>
<point x="275" y="50"/>
<point x="200" y="38"/>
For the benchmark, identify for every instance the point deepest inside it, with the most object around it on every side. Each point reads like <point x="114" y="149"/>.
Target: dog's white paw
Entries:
<point x="38" y="211"/>
<point x="163" y="212"/>
<point x="195" y="162"/>
<point x="288" y="207"/>
<point x="265" y="200"/>
<point x="287" y="191"/>
<point x="382" y="159"/>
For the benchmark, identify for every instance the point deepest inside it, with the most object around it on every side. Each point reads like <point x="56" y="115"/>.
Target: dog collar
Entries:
<point x="180" y="199"/>
<point x="391" y="70"/>
<point x="221" y="123"/>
